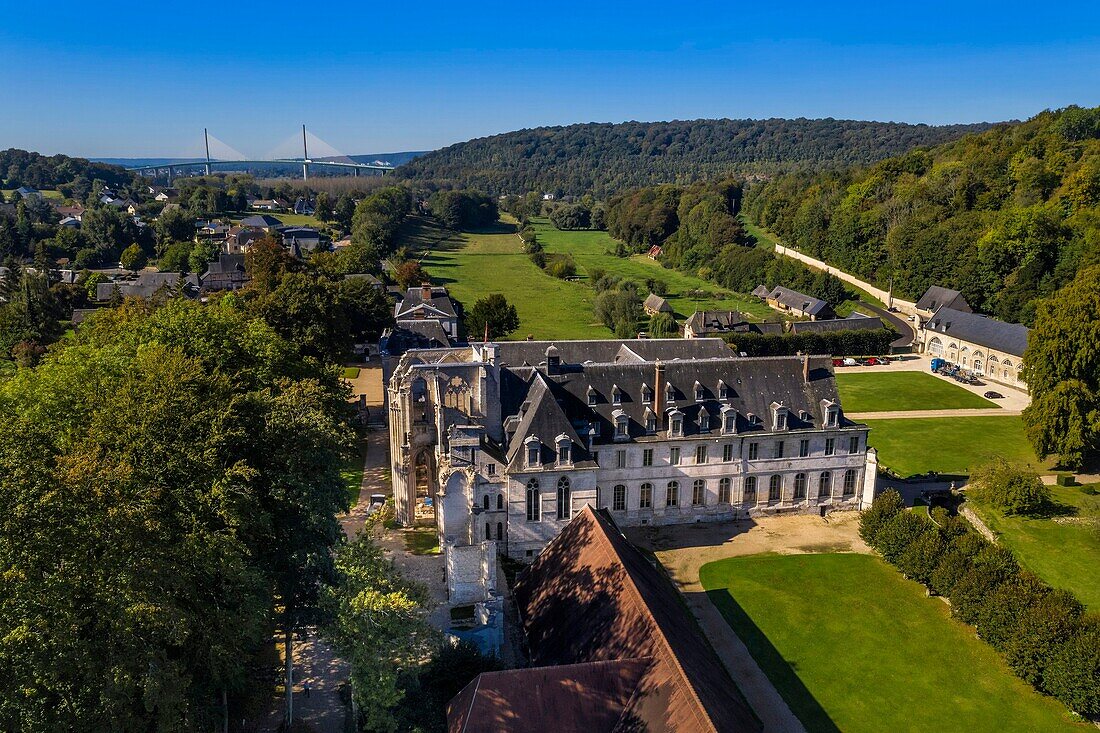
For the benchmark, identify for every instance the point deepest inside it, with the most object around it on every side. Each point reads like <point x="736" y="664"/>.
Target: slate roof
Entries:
<point x="144" y="286"/>
<point x="225" y="273"/>
<point x="414" y="334"/>
<point x="719" y="322"/>
<point x="414" y="297"/>
<point x="589" y="597"/>
<point x="366" y="276"/>
<point x="533" y="353"/>
<point x="798" y="301"/>
<point x="761" y="291"/>
<point x="936" y="297"/>
<point x="263" y="221"/>
<point x="1010" y="338"/>
<point x="657" y="304"/>
<point x="851" y="323"/>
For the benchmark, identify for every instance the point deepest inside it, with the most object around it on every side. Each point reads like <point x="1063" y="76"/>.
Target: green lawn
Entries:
<point x="1062" y="549"/>
<point x="422" y="541"/>
<point x="853" y="646"/>
<point x="350" y="372"/>
<point x="475" y="264"/>
<point x="351" y="472"/>
<point x="870" y="392"/>
<point x="48" y="193"/>
<point x="595" y="250"/>
<point x="952" y="445"/>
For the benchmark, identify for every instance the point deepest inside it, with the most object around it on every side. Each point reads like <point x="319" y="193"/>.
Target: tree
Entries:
<point x="344" y="210"/>
<point x="898" y="533"/>
<point x="204" y="252"/>
<point x="1063" y="372"/>
<point x="322" y="207"/>
<point x="410" y="274"/>
<point x="1009" y="489"/>
<point x="463" y="209"/>
<point x="989" y="569"/>
<point x="173" y="226"/>
<point x="377" y="625"/>
<point x="492" y="315"/>
<point x="571" y="216"/>
<point x="1041" y="627"/>
<point x="662" y="325"/>
<point x="133" y="257"/>
<point x="956" y="561"/>
<point x="885" y="507"/>
<point x="920" y="558"/>
<point x="1073" y="672"/>
<point x="266" y="262"/>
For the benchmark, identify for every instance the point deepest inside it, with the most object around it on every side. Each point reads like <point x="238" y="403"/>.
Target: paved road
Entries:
<point x="907" y="333"/>
<point x="907" y="414"/>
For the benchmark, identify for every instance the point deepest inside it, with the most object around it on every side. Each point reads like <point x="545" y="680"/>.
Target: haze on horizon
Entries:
<point x="85" y="82"/>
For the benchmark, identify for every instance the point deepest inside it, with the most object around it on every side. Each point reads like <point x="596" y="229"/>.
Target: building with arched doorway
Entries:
<point x="505" y="443"/>
<point x="992" y="349"/>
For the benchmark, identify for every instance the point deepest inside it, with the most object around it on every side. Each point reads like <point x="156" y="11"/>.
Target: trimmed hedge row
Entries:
<point x="1044" y="634"/>
<point x="845" y="343"/>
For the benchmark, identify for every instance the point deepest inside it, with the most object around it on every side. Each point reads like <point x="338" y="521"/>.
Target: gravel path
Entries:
<point x="906" y="414"/>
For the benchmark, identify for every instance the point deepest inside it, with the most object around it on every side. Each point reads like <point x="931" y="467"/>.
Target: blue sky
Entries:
<point x="141" y="80"/>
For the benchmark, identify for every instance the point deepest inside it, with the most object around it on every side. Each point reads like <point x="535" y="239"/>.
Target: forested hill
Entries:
<point x="604" y="159"/>
<point x="23" y="168"/>
<point x="1005" y="216"/>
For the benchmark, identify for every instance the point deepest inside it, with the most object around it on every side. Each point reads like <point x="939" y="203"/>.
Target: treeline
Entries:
<point x="604" y="159"/>
<point x="23" y="168"/>
<point x="1006" y="216"/>
<point x="698" y="231"/>
<point x="1044" y="634"/>
<point x="461" y="210"/>
<point x="840" y="343"/>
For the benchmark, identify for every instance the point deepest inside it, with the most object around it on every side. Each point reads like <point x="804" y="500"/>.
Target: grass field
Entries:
<point x="48" y="193"/>
<point x="423" y="541"/>
<point x="595" y="250"/>
<point x="853" y="646"/>
<point x="352" y="474"/>
<point x="1064" y="548"/>
<point x="869" y="392"/>
<point x="350" y="372"/>
<point x="475" y="264"/>
<point x="952" y="445"/>
<point x="298" y="220"/>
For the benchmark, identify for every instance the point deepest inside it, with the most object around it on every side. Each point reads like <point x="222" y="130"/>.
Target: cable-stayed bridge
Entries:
<point x="224" y="154"/>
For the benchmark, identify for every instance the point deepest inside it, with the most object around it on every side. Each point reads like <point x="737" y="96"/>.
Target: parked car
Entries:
<point x="850" y="362"/>
<point x="873" y="361"/>
<point x="838" y="362"/>
<point x="991" y="395"/>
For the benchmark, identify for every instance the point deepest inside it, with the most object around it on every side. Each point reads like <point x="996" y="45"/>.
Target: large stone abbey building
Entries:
<point x="502" y="443"/>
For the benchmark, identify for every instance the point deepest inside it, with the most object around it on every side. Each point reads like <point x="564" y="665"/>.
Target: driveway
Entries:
<point x="907" y="334"/>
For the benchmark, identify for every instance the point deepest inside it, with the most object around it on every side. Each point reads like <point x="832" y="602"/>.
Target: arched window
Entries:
<point x="672" y="494"/>
<point x="724" y="491"/>
<point x="750" y="490"/>
<point x="935" y="346"/>
<point x="534" y="501"/>
<point x="698" y="492"/>
<point x="618" y="498"/>
<point x="825" y="485"/>
<point x="800" y="486"/>
<point x="645" y="496"/>
<point x="500" y="502"/>
<point x="849" y="482"/>
<point x="500" y="530"/>
<point x="485" y="502"/>
<point x="775" y="488"/>
<point x="488" y="531"/>
<point x="565" y="499"/>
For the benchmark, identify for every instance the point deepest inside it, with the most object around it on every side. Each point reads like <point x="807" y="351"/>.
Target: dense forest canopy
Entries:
<point x="1006" y="216"/>
<point x="22" y="168"/>
<point x="603" y="159"/>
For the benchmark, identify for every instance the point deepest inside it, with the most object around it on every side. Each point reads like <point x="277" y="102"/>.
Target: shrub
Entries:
<point x="1073" y="674"/>
<point x="990" y="567"/>
<point x="999" y="615"/>
<point x="561" y="266"/>
<point x="884" y="508"/>
<point x="1041" y="628"/>
<point x="1011" y="490"/>
<point x="899" y="532"/>
<point x="920" y="558"/>
<point x="956" y="562"/>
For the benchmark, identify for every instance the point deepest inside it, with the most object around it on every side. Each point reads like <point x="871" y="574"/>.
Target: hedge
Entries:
<point x="1044" y="634"/>
<point x="845" y="343"/>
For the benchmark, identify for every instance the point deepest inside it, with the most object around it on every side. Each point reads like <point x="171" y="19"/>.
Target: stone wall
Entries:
<point x="471" y="572"/>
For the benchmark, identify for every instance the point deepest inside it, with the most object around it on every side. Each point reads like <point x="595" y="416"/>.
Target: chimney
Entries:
<point x="425" y="291"/>
<point x="806" y="368"/>
<point x="658" y="388"/>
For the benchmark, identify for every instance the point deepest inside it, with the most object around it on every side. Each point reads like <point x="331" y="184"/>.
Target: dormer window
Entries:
<point x="650" y="422"/>
<point x="698" y="392"/>
<point x="565" y="450"/>
<point x="534" y="451"/>
<point x="647" y="393"/>
<point x="831" y="411"/>
<point x="616" y="395"/>
<point x="670" y="393"/>
<point x="676" y="424"/>
<point x="591" y="397"/>
<point x="729" y="420"/>
<point x="704" y="421"/>
<point x="723" y="390"/>
<point x="779" y="417"/>
<point x="622" y="425"/>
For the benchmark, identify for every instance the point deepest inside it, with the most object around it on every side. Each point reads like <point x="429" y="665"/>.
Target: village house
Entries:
<point x="145" y="285"/>
<point x="794" y="303"/>
<point x="612" y="649"/>
<point x="261" y="221"/>
<point x="424" y="318"/>
<point x="702" y="324"/>
<point x="225" y="273"/>
<point x="300" y="239"/>
<point x="655" y="304"/>
<point x="506" y="442"/>
<point x="936" y="297"/>
<point x="268" y="205"/>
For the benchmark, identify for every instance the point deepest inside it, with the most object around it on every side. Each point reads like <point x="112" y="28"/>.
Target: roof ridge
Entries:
<point x="609" y="546"/>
